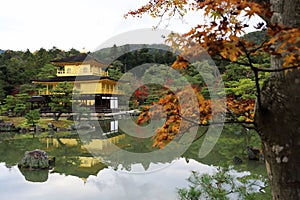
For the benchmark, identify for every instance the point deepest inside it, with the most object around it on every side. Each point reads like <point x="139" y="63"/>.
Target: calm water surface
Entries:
<point x="79" y="175"/>
<point x="107" y="184"/>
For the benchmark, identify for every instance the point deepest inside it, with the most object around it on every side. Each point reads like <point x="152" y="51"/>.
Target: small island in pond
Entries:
<point x="36" y="159"/>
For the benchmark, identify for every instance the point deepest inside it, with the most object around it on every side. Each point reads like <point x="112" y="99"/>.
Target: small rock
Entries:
<point x="236" y="160"/>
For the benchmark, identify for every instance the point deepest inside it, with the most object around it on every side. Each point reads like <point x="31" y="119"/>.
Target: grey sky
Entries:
<point x="66" y="24"/>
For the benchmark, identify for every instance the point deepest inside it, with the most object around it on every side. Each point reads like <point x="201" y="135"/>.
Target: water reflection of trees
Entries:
<point x="88" y="154"/>
<point x="82" y="157"/>
<point x="34" y="175"/>
<point x="232" y="142"/>
<point x="12" y="149"/>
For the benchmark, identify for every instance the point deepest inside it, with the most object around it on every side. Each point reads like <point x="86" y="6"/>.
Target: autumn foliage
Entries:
<point x="225" y="21"/>
<point x="180" y="116"/>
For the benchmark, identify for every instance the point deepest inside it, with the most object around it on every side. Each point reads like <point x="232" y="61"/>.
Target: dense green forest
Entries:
<point x="19" y="68"/>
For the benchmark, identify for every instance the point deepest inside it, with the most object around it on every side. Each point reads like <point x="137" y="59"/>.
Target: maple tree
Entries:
<point x="220" y="35"/>
<point x="141" y="94"/>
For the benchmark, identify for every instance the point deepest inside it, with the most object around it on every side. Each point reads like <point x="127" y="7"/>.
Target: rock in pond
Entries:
<point x="36" y="159"/>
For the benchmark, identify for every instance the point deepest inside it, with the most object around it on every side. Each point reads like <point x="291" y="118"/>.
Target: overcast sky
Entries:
<point x="66" y="24"/>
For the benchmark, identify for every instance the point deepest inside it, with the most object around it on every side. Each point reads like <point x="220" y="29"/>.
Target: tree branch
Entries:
<point x="254" y="69"/>
<point x="257" y="48"/>
<point x="217" y="123"/>
<point x="235" y="62"/>
<point x="276" y="70"/>
<point x="197" y="138"/>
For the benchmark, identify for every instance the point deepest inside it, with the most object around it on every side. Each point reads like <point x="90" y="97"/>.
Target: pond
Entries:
<point x="82" y="173"/>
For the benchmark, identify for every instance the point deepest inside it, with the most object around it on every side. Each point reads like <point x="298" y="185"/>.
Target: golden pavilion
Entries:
<point x="88" y="77"/>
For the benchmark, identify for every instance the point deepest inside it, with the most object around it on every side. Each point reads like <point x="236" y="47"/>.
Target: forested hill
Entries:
<point x="133" y="55"/>
<point x="129" y="56"/>
<point x="255" y="37"/>
<point x="106" y="54"/>
<point x="18" y="68"/>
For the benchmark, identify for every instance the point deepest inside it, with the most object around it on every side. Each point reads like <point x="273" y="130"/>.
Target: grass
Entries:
<point x="43" y="122"/>
<point x="18" y="121"/>
<point x="62" y="123"/>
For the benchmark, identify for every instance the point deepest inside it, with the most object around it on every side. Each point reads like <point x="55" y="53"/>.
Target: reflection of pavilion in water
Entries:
<point x="73" y="156"/>
<point x="99" y="144"/>
<point x="92" y="151"/>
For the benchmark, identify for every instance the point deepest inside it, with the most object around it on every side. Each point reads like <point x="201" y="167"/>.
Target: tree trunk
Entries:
<point x="278" y="118"/>
<point x="279" y="126"/>
<point x="57" y="116"/>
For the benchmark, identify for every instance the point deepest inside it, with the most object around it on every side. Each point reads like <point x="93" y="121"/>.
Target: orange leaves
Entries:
<point x="139" y="12"/>
<point x="224" y="23"/>
<point x="255" y="9"/>
<point x="180" y="114"/>
<point x="232" y="49"/>
<point x="161" y="8"/>
<point x="173" y="113"/>
<point x="222" y="30"/>
<point x="180" y="63"/>
<point x="290" y="59"/>
<point x="241" y="110"/>
<point x="289" y="47"/>
<point x="144" y="116"/>
<point x="285" y="43"/>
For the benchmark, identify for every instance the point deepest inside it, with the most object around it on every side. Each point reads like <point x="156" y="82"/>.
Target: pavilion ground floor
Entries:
<point x="98" y="103"/>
